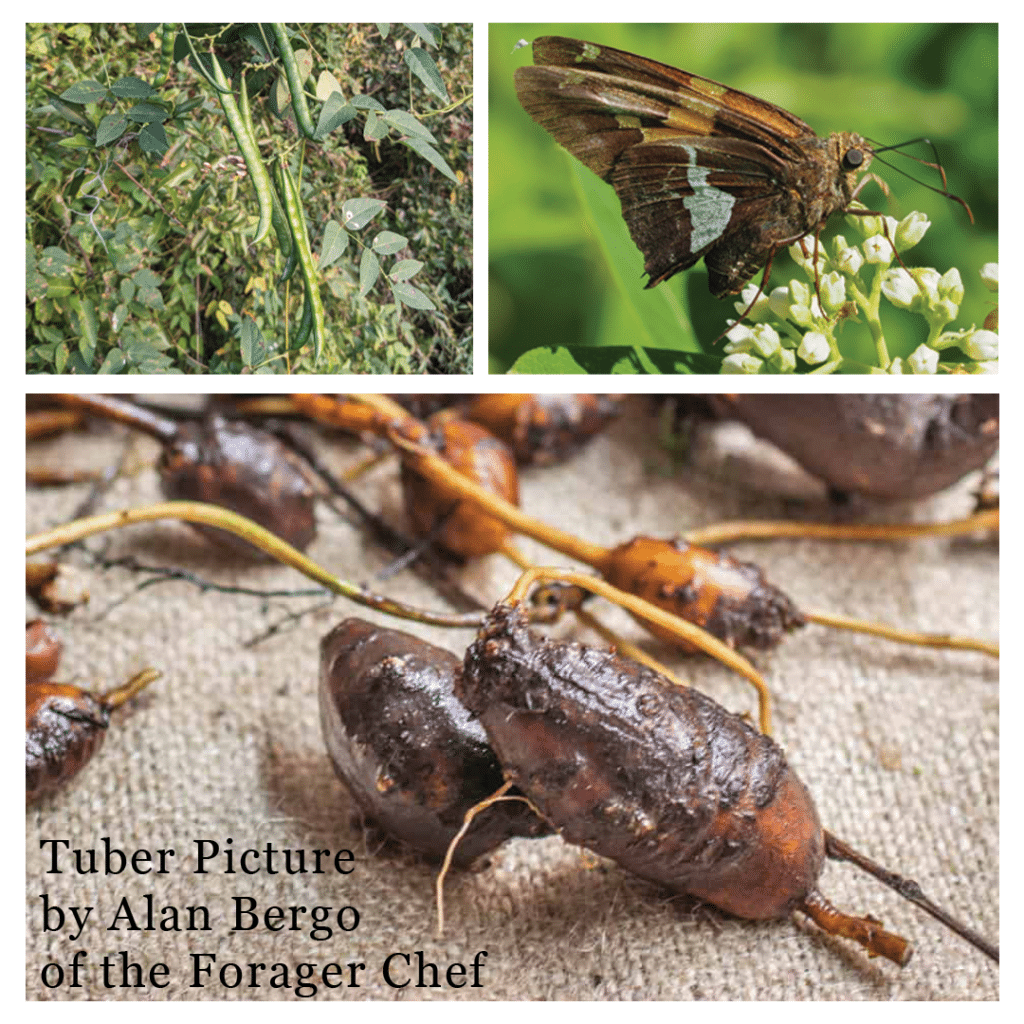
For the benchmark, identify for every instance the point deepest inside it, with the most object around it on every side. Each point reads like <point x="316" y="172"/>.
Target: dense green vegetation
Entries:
<point x="558" y="276"/>
<point x="148" y="248"/>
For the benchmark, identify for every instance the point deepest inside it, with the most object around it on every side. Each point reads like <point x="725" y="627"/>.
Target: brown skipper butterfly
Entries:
<point x="701" y="170"/>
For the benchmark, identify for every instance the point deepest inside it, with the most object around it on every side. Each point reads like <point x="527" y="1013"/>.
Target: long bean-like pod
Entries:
<point x="240" y="128"/>
<point x="297" y="220"/>
<point x="291" y="70"/>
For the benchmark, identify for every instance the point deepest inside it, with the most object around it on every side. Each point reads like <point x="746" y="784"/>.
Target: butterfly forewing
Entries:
<point x="700" y="169"/>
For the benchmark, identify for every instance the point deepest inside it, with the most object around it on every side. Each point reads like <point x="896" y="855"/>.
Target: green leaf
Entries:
<point x="132" y="88"/>
<point x="35" y="283"/>
<point x="60" y="357"/>
<point x="383" y="27"/>
<point x="387" y="243"/>
<point x="422" y="31"/>
<point x="375" y="128"/>
<point x="153" y="139"/>
<point x="367" y="103"/>
<point x="422" y="65"/>
<point x="326" y="86"/>
<point x="304" y="59"/>
<point x="184" y="106"/>
<point x="145" y="113"/>
<point x="369" y="271"/>
<point x="185" y="170"/>
<point x="84" y="92"/>
<point x="251" y="34"/>
<point x="68" y="112"/>
<point x="334" y="244"/>
<point x="55" y="262"/>
<point x="617" y="359"/>
<point x="148" y="289"/>
<point x="403" y="270"/>
<point x="407" y="124"/>
<point x="113" y="362"/>
<point x="253" y="345"/>
<point x="78" y="141"/>
<point x="76" y="364"/>
<point x="118" y="317"/>
<point x="359" y="212"/>
<point x="428" y="152"/>
<point x="88" y="325"/>
<point x="112" y="127"/>
<point x="194" y="200"/>
<point x="411" y="296"/>
<point x="143" y="355"/>
<point x="335" y="112"/>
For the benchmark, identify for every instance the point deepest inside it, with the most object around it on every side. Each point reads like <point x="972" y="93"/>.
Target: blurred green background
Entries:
<point x="550" y="283"/>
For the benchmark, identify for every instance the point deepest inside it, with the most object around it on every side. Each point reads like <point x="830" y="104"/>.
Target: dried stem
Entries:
<point x="903" y="636"/>
<point x="121" y="694"/>
<point x="754" y="529"/>
<point x="865" y="930"/>
<point x="909" y="890"/>
<point x="213" y="515"/>
<point x="136" y="416"/>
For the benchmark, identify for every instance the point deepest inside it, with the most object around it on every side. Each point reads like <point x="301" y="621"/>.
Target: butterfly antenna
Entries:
<point x="937" y="166"/>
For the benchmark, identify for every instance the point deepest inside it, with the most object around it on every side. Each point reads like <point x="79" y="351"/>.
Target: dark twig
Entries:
<point x="909" y="890"/>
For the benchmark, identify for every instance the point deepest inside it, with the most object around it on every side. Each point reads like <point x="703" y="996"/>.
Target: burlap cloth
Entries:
<point x="898" y="745"/>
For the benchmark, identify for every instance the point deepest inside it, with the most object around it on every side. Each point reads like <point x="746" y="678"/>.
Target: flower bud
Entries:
<point x="759" y="311"/>
<point x="741" y="362"/>
<point x="849" y="260"/>
<point x="923" y="360"/>
<point x="780" y="301"/>
<point x="814" y="348"/>
<point x="900" y="288"/>
<point x="928" y="281"/>
<point x="951" y="286"/>
<point x="782" y="361"/>
<point x="878" y="250"/>
<point x="833" y="291"/>
<point x="766" y="340"/>
<point x="982" y="345"/>
<point x="911" y="230"/>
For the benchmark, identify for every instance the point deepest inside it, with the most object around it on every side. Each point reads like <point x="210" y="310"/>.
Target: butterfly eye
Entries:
<point x="852" y="159"/>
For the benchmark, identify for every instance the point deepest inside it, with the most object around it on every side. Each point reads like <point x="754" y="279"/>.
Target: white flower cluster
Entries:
<point x="795" y="328"/>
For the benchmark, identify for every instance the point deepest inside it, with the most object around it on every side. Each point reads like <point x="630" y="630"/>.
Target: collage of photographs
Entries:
<point x="423" y="690"/>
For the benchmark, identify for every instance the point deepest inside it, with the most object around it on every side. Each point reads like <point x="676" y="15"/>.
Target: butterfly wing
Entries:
<point x="691" y="160"/>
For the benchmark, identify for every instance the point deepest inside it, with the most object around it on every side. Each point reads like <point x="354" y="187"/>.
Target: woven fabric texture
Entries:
<point x="899" y="746"/>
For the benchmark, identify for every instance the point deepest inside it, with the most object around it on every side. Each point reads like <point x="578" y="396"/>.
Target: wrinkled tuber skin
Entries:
<point x="543" y="429"/>
<point x="408" y="751"/>
<point x="892" y="447"/>
<point x="438" y="512"/>
<point x="730" y="599"/>
<point x="660" y="779"/>
<point x="243" y="469"/>
<point x="64" y="727"/>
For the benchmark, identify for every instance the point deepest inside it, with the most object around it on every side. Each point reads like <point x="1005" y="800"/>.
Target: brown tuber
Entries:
<point x="408" y="751"/>
<point x="732" y="600"/>
<point x="439" y="512"/>
<point x="65" y="726"/>
<point x="42" y="652"/>
<point x="221" y="462"/>
<point x="659" y="778"/>
<point x="892" y="447"/>
<point x="543" y="429"/>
